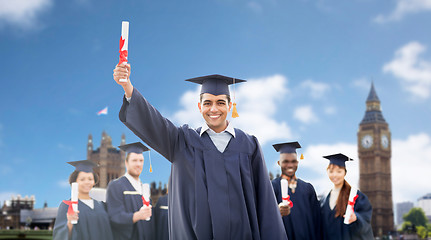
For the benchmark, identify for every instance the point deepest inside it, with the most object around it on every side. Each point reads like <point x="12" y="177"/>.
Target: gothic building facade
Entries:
<point x="109" y="158"/>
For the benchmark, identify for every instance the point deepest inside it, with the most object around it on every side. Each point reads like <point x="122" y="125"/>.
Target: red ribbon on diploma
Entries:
<point x="69" y="203"/>
<point x="123" y="54"/>
<point x="288" y="200"/>
<point x="352" y="203"/>
<point x="145" y="202"/>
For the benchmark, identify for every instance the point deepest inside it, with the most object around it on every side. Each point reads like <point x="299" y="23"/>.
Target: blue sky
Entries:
<point x="309" y="66"/>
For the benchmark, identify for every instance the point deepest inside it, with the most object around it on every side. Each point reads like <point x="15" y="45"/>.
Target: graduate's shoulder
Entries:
<point x="305" y="183"/>
<point x="116" y="182"/>
<point x="276" y="181"/>
<point x="246" y="138"/>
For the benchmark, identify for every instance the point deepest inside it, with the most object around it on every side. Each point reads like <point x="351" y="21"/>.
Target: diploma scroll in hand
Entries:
<point x="146" y="196"/>
<point x="351" y="204"/>
<point x="124" y="44"/>
<point x="284" y="193"/>
<point x="74" y="199"/>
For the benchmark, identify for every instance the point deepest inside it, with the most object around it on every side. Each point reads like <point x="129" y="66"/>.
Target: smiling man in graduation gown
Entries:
<point x="303" y="222"/>
<point x="219" y="186"/>
<point x="126" y="210"/>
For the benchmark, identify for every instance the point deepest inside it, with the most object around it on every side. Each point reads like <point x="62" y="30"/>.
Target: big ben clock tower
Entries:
<point x="374" y="151"/>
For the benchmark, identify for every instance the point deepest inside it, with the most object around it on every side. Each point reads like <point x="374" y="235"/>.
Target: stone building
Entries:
<point x="374" y="151"/>
<point x="110" y="159"/>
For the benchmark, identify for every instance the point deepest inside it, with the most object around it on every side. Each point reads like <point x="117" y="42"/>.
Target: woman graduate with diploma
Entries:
<point x="336" y="222"/>
<point x="92" y="219"/>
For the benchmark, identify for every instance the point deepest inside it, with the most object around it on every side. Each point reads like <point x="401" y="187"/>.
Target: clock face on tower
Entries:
<point x="367" y="141"/>
<point x="385" y="141"/>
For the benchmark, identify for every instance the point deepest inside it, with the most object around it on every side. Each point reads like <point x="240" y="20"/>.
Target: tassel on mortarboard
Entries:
<point x="234" y="111"/>
<point x="302" y="156"/>
<point x="151" y="166"/>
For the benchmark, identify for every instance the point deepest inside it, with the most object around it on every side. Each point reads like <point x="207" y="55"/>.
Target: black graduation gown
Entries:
<point x="122" y="201"/>
<point x="160" y="213"/>
<point x="303" y="222"/>
<point x="212" y="195"/>
<point x="92" y="223"/>
<point x="334" y="228"/>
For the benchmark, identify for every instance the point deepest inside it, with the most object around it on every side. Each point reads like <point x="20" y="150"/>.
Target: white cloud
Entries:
<point x="258" y="102"/>
<point x="413" y="71"/>
<point x="317" y="90"/>
<point x="403" y="8"/>
<point x="305" y="114"/>
<point x="23" y="13"/>
<point x="410" y="163"/>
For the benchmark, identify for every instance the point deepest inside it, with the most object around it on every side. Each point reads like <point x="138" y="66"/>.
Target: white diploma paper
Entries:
<point x="349" y="208"/>
<point x="125" y="36"/>
<point x="146" y="194"/>
<point x="74" y="198"/>
<point x="284" y="191"/>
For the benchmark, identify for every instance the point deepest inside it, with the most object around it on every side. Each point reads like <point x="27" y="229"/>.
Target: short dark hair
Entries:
<point x="74" y="176"/>
<point x="227" y="96"/>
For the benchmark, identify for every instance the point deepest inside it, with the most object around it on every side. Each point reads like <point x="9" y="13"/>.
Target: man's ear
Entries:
<point x="199" y="106"/>
<point x="230" y="106"/>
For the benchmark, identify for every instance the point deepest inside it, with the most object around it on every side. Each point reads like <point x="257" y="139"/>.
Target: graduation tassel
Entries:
<point x="234" y="111"/>
<point x="302" y="156"/>
<point x="151" y="167"/>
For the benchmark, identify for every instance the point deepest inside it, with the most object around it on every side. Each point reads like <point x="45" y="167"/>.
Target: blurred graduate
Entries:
<point x="93" y="220"/>
<point x="302" y="220"/>
<point x="336" y="224"/>
<point x="124" y="199"/>
<point x="219" y="186"/>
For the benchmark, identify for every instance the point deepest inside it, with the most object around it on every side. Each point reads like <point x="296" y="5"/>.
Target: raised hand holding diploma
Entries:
<point x="146" y="197"/>
<point x="350" y="206"/>
<point x="124" y="45"/>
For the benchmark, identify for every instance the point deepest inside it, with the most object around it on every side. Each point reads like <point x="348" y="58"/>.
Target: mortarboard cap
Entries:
<point x="338" y="159"/>
<point x="215" y="84"/>
<point x="289" y="147"/>
<point x="84" y="165"/>
<point x="136" y="147"/>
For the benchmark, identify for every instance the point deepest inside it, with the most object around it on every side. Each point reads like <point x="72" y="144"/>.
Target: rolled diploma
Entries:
<point x="125" y="36"/>
<point x="146" y="194"/>
<point x="349" y="208"/>
<point x="284" y="191"/>
<point x="74" y="198"/>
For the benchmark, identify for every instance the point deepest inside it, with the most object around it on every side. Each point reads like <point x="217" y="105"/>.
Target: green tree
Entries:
<point x="422" y="232"/>
<point x="408" y="227"/>
<point x="416" y="216"/>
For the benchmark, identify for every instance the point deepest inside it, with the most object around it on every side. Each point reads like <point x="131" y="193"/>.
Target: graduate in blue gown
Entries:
<point x="126" y="208"/>
<point x="161" y="218"/>
<point x="93" y="221"/>
<point x="219" y="186"/>
<point x="303" y="222"/>
<point x="333" y="206"/>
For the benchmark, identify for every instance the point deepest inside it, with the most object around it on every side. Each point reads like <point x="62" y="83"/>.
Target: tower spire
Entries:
<point x="373" y="114"/>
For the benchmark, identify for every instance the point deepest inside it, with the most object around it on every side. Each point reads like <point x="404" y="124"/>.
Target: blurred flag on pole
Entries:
<point x="103" y="112"/>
